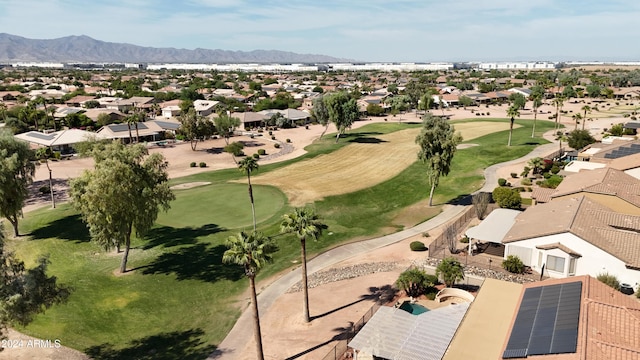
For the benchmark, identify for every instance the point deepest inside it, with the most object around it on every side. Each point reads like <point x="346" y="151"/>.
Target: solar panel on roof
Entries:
<point x="546" y="322"/>
<point x="41" y="136"/>
<point x="124" y="127"/>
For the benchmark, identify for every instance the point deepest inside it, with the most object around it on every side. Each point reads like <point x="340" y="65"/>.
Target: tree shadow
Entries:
<point x="343" y="333"/>
<point x="380" y="295"/>
<point x="195" y="262"/>
<point x="367" y="140"/>
<point x="215" y="150"/>
<point x="67" y="228"/>
<point x="464" y="199"/>
<point x="176" y="345"/>
<point x="167" y="236"/>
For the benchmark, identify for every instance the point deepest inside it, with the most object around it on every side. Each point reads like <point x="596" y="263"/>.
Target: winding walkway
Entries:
<point x="237" y="337"/>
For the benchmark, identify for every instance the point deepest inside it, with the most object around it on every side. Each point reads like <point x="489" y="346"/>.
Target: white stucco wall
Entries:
<point x="594" y="261"/>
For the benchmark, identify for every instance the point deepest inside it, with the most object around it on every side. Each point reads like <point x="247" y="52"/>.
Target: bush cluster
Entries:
<point x="202" y="164"/>
<point x="276" y="145"/>
<point x="193" y="164"/>
<point x="417" y="246"/>
<point x="507" y="198"/>
<point x="513" y="264"/>
<point x="261" y="152"/>
<point x="502" y="181"/>
<point x="609" y="280"/>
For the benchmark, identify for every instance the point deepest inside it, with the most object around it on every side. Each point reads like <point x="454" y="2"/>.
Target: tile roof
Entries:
<point x="615" y="233"/>
<point x="558" y="245"/>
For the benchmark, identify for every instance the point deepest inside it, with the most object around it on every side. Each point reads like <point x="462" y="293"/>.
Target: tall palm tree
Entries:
<point x="586" y="109"/>
<point x="558" y="102"/>
<point x="513" y="113"/>
<point x="248" y="165"/>
<point x="560" y="136"/>
<point x="130" y="119"/>
<point x="252" y="252"/>
<point x="537" y="102"/>
<point x="577" y="117"/>
<point x="305" y="224"/>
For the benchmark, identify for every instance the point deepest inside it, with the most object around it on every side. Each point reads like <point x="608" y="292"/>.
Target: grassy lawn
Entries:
<point x="181" y="299"/>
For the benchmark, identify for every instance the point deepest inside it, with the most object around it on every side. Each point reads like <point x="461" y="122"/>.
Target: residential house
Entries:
<point x="79" y="100"/>
<point x="577" y="236"/>
<point x="523" y="91"/>
<point x="250" y="120"/>
<point x="114" y="115"/>
<point x="204" y="107"/>
<point x="61" y="141"/>
<point x="145" y="131"/>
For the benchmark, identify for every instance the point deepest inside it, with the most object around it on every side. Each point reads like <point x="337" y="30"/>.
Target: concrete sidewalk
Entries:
<point x="237" y="337"/>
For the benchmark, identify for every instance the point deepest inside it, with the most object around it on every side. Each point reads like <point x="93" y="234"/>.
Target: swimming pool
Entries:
<point x="414" y="309"/>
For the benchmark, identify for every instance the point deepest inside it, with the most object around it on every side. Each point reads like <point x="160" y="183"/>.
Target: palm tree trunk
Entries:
<point x="137" y="134"/>
<point x="305" y="286"/>
<point x="130" y="135"/>
<point x="256" y="318"/>
<point x="253" y="207"/>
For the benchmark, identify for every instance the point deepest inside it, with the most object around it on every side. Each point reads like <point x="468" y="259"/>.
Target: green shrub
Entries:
<point x="507" y="198"/>
<point x="638" y="293"/>
<point x="202" y="164"/>
<point x="261" y="152"/>
<point x="288" y="140"/>
<point x="193" y="164"/>
<point x="513" y="264"/>
<point x="431" y="295"/>
<point x="273" y="138"/>
<point x="256" y="156"/>
<point x="525" y="181"/>
<point x="45" y="189"/>
<point x="502" y="181"/>
<point x="514" y="175"/>
<point x="609" y="280"/>
<point x="555" y="169"/>
<point x="464" y="240"/>
<point x="235" y="148"/>
<point x="425" y="234"/>
<point x="417" y="246"/>
<point x="277" y="146"/>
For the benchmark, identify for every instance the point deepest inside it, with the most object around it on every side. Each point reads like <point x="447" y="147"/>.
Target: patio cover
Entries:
<point x="495" y="226"/>
<point x="58" y="138"/>
<point x="397" y="335"/>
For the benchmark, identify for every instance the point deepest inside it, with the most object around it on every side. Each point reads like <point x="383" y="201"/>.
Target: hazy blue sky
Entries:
<point x="368" y="30"/>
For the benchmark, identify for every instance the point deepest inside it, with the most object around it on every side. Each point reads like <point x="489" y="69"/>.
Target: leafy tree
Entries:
<point x="507" y="198"/>
<point x="226" y="125"/>
<point x="125" y="191"/>
<point x="517" y="100"/>
<point x="399" y="104"/>
<point x="247" y="166"/>
<point x="578" y="139"/>
<point x="317" y="89"/>
<point x="594" y="90"/>
<point x="195" y="127"/>
<point x="438" y="143"/>
<point x="321" y="112"/>
<point x="513" y="113"/>
<point x="25" y="292"/>
<point x="465" y="101"/>
<point x="342" y="110"/>
<point x="235" y="148"/>
<point x="450" y="270"/>
<point x="16" y="173"/>
<point x="617" y="130"/>
<point x="414" y="282"/>
<point x="252" y="252"/>
<point x="305" y="224"/>
<point x="77" y="120"/>
<point x="3" y="112"/>
<point x="569" y="92"/>
<point x="393" y="88"/>
<point x="374" y="110"/>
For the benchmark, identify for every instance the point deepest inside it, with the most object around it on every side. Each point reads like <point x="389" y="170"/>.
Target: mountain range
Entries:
<point x="86" y="49"/>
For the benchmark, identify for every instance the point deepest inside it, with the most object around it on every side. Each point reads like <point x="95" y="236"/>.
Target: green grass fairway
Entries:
<point x="180" y="301"/>
<point x="225" y="205"/>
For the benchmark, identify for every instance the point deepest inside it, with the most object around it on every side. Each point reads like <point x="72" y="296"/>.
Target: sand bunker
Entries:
<point x="189" y="185"/>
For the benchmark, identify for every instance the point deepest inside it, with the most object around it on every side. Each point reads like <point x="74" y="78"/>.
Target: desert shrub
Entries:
<point x="609" y="280"/>
<point x="261" y="152"/>
<point x="425" y="234"/>
<point x="45" y="189"/>
<point x="306" y="127"/>
<point x="526" y="181"/>
<point x="555" y="169"/>
<point x="273" y="138"/>
<point x="551" y="182"/>
<point x="417" y="246"/>
<point x="502" y="181"/>
<point x="514" y="175"/>
<point x="193" y="164"/>
<point x="488" y="113"/>
<point x="270" y="132"/>
<point x="288" y="140"/>
<point x="431" y="295"/>
<point x="638" y="293"/>
<point x="202" y="164"/>
<point x="277" y="146"/>
<point x="464" y="240"/>
<point x="256" y="156"/>
<point x="513" y="264"/>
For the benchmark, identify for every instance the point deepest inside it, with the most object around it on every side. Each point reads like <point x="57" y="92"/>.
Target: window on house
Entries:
<point x="572" y="266"/>
<point x="555" y="263"/>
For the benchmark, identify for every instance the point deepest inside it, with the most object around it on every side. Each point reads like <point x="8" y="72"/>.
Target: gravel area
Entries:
<point x="344" y="273"/>
<point x="482" y="272"/>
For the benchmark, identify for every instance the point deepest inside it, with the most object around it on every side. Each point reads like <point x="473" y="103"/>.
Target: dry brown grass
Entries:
<point x="358" y="166"/>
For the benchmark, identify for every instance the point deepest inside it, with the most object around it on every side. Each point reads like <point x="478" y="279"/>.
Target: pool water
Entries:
<point x="414" y="309"/>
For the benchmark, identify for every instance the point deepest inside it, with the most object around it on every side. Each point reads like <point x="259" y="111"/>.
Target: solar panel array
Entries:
<point x="125" y="127"/>
<point x="623" y="151"/>
<point x="41" y="136"/>
<point x="547" y="321"/>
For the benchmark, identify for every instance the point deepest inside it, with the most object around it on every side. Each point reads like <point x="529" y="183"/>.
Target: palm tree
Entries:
<point x="451" y="270"/>
<point x="558" y="102"/>
<point x="44" y="153"/>
<point x="247" y="165"/>
<point x="537" y="102"/>
<point x="252" y="252"/>
<point x="560" y="136"/>
<point x="513" y="113"/>
<point x="305" y="224"/>
<point x="130" y="119"/>
<point x="586" y="109"/>
<point x="577" y="117"/>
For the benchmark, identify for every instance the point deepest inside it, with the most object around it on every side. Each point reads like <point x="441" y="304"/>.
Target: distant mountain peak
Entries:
<point x="83" y="48"/>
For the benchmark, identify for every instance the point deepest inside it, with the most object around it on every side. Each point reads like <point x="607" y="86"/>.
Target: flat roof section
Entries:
<point x="486" y="325"/>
